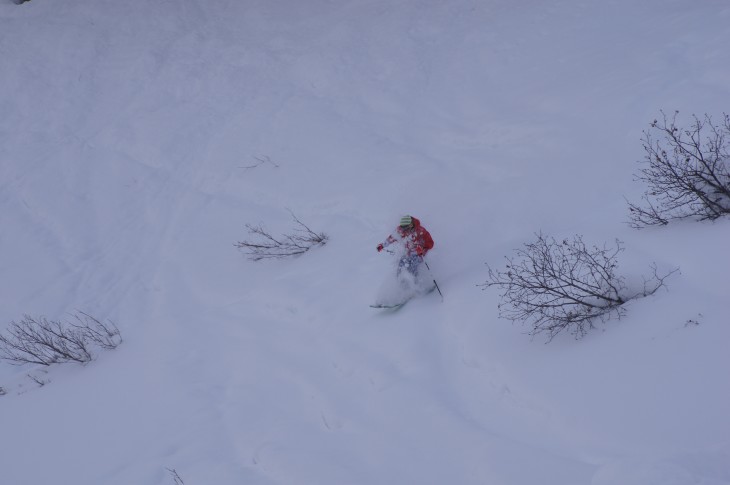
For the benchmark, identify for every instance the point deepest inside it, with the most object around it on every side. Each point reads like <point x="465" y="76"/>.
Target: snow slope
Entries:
<point x="125" y="136"/>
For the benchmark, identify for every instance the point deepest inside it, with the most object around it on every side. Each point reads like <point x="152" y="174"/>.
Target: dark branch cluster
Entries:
<point x="41" y="341"/>
<point x="564" y="286"/>
<point x="265" y="246"/>
<point x="687" y="172"/>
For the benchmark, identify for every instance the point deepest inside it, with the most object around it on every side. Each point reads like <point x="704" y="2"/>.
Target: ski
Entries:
<point x="398" y="305"/>
<point x="389" y="307"/>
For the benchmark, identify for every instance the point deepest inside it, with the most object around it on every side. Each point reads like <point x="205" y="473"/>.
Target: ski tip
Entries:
<point x="387" y="307"/>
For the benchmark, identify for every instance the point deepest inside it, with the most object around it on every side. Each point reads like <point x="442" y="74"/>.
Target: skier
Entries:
<point x="416" y="242"/>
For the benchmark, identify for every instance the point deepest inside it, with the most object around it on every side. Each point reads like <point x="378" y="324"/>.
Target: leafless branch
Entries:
<point x="41" y="341"/>
<point x="266" y="246"/>
<point x="38" y="380"/>
<point x="686" y="172"/>
<point x="261" y="161"/>
<point x="564" y="286"/>
<point x="175" y="476"/>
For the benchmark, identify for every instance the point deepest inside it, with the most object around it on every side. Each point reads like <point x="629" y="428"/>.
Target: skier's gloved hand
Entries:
<point x="420" y="251"/>
<point x="380" y="247"/>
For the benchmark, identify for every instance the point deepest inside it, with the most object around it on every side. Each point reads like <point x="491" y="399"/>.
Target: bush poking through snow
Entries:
<point x="687" y="172"/>
<point x="266" y="246"/>
<point x="565" y="286"/>
<point x="45" y="342"/>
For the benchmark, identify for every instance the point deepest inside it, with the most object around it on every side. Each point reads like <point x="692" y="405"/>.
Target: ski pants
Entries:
<point x="410" y="263"/>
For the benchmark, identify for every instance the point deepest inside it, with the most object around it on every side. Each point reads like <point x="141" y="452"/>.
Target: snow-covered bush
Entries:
<point x="41" y="341"/>
<point x="687" y="172"/>
<point x="565" y="286"/>
<point x="266" y="246"/>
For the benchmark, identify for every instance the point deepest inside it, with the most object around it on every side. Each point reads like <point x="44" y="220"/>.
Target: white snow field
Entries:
<point x="126" y="130"/>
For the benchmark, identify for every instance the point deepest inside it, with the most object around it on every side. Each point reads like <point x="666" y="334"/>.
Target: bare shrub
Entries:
<point x="686" y="172"/>
<point x="565" y="286"/>
<point x="41" y="341"/>
<point x="266" y="246"/>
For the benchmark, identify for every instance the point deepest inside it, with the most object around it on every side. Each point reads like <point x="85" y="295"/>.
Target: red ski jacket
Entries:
<point x="416" y="240"/>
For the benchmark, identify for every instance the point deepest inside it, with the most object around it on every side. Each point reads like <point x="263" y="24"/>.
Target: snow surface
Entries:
<point x="125" y="130"/>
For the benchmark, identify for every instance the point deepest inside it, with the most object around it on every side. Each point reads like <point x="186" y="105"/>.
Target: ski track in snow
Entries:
<point x="126" y="141"/>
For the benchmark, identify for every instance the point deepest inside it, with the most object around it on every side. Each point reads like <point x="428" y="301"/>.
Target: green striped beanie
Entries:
<point x="406" y="221"/>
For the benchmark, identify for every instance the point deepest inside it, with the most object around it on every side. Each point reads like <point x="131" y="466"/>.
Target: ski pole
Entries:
<point x="434" y="280"/>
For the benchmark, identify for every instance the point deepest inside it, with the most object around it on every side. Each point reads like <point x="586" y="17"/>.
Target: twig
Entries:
<point x="261" y="161"/>
<point x="175" y="476"/>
